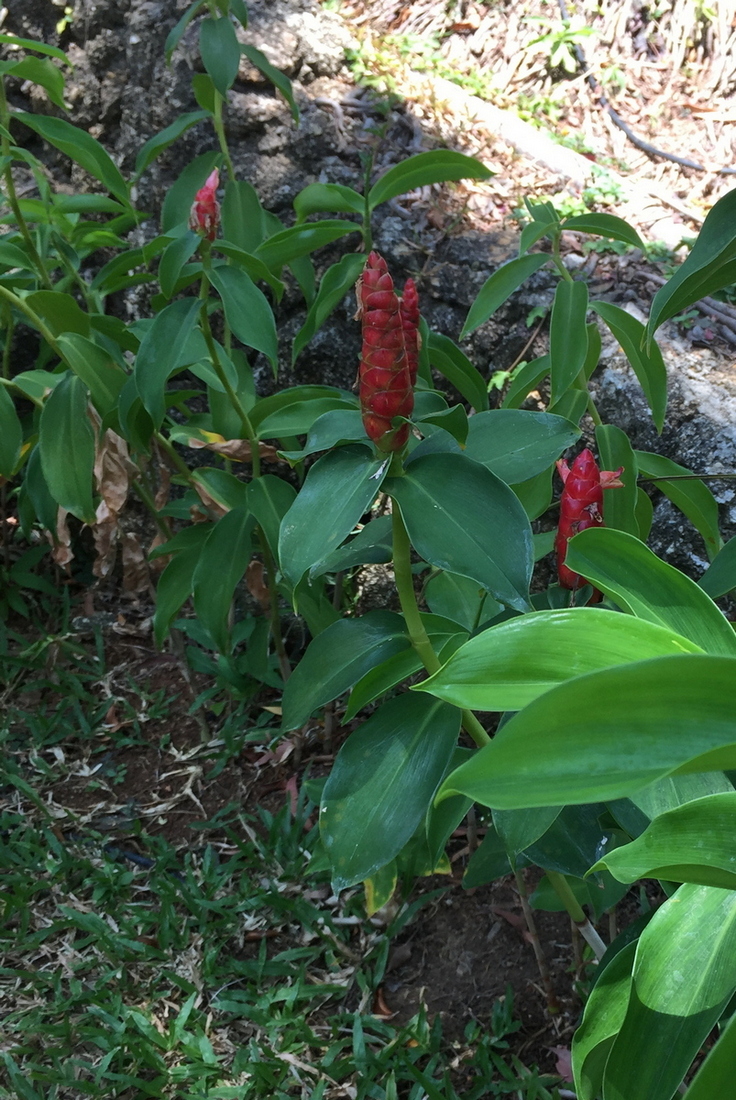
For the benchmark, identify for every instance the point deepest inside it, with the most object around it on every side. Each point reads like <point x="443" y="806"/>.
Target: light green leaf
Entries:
<point x="294" y="410"/>
<point x="290" y="244"/>
<point x="715" y="1076"/>
<point x="604" y="1014"/>
<point x="39" y="71"/>
<point x="603" y="225"/>
<point x="67" y="447"/>
<point x="438" y="166"/>
<point x="174" y="36"/>
<point x="243" y="220"/>
<point x="59" y="311"/>
<point x="516" y="445"/>
<point x="500" y="286"/>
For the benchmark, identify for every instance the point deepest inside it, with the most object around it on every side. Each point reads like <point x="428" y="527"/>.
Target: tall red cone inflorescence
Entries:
<point x="204" y="217"/>
<point x="385" y="383"/>
<point x="581" y="506"/>
<point x="409" y="308"/>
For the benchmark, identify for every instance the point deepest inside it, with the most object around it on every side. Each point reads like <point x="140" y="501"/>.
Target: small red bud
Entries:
<point x="409" y="306"/>
<point x="204" y="216"/>
<point x="581" y="506"/>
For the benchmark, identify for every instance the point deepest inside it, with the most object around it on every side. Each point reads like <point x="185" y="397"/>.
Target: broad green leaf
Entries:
<point x="571" y="843"/>
<point x="67" y="447"/>
<point x="526" y="379"/>
<point x="269" y="499"/>
<point x="454" y="364"/>
<point x="250" y="264"/>
<point x="536" y="496"/>
<point x="100" y="373"/>
<point x="161" y="141"/>
<point x="693" y="843"/>
<point x="176" y="583"/>
<point x="691" y="496"/>
<point x="80" y="147"/>
<point x="462" y="518"/>
<point x="290" y="244"/>
<point x="608" y="734"/>
<point x="240" y="11"/>
<point x="174" y="36"/>
<point x="604" y="1014"/>
<point x="488" y="862"/>
<point x="720" y="576"/>
<point x="568" y="337"/>
<point x="373" y="544"/>
<point x="34" y="44"/>
<point x="635" y="579"/>
<point x="294" y="410"/>
<point x="379" y="888"/>
<point x="277" y="78"/>
<point x="180" y="196"/>
<point x="368" y="813"/>
<point x="438" y="166"/>
<point x="247" y="311"/>
<point x="220" y="52"/>
<point x="11" y="435"/>
<point x="39" y="71"/>
<point x="644" y="514"/>
<point x="12" y="256"/>
<point x="646" y="361"/>
<point x="59" y="311"/>
<point x="677" y="790"/>
<point x="571" y="406"/>
<point x="509" y="665"/>
<point x="338" y="490"/>
<point x="336" y="282"/>
<point x="225" y="489"/>
<point x="715" y="1076"/>
<point x="329" y="429"/>
<point x="38" y="493"/>
<point x="460" y="599"/>
<point x="337" y="659"/>
<point x="173" y="258"/>
<point x="454" y="421"/>
<point x="222" y="563"/>
<point x="520" y="828"/>
<point x="516" y="445"/>
<point x="604" y="225"/>
<point x="708" y="267"/>
<point x="684" y="975"/>
<point x="500" y="286"/>
<point x="619" y="505"/>
<point x="243" y="222"/>
<point x="318" y="198"/>
<point x="160" y="353"/>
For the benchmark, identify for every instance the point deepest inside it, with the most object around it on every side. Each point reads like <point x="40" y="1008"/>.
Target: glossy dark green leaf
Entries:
<point x="646" y="361"/>
<point x="460" y="599"/>
<point x="446" y="357"/>
<point x="500" y="286"/>
<point x="336" y="283"/>
<point x="337" y="659"/>
<point x="225" y="489"/>
<point x="294" y="410"/>
<point x="220" y="52"/>
<point x="644" y="513"/>
<point x="367" y="815"/>
<point x="180" y="196"/>
<point x="36" y="489"/>
<point x="11" y="435"/>
<point x="81" y="147"/>
<point x="59" y="311"/>
<point x="535" y="496"/>
<point x="373" y="544"/>
<point x="604" y="225"/>
<point x="526" y="379"/>
<point x="176" y="583"/>
<point x="715" y="1076"/>
<point x="223" y="559"/>
<point x="438" y="166"/>
<point x="571" y="842"/>
<point x="604" y="1014"/>
<point x="520" y="828"/>
<point x="290" y="244"/>
<point x="609" y="734"/>
<point x="160" y="353"/>
<point x="100" y="373"/>
<point x="488" y="862"/>
<point x="333" y="198"/>
<point x="253" y="267"/>
<point x="173" y="258"/>
<point x="243" y="222"/>
<point x="161" y="141"/>
<point x="509" y="665"/>
<point x="67" y="446"/>
<point x="720" y="576"/>
<point x="247" y="311"/>
<point x="619" y="505"/>
<point x="277" y="78"/>
<point x="462" y="518"/>
<point x="571" y="406"/>
<point x="691" y="496"/>
<point x="515" y="444"/>
<point x="269" y="499"/>
<point x="568" y="337"/>
<point x="338" y="490"/>
<point x="640" y="583"/>
<point x="335" y="426"/>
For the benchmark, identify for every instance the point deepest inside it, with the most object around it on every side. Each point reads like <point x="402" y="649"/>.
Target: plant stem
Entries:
<point x="552" y="1003"/>
<point x="564" y="892"/>
<point x="557" y="259"/>
<point x="33" y="317"/>
<point x="11" y="192"/>
<point x="9" y="330"/>
<point x="417" y="634"/>
<point x="221" y="138"/>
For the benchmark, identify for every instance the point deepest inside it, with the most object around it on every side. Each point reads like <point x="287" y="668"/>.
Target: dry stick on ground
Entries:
<point x="552" y="1003"/>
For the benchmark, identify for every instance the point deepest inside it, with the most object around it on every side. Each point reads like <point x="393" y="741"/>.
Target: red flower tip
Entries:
<point x="204" y="216"/>
<point x="581" y="506"/>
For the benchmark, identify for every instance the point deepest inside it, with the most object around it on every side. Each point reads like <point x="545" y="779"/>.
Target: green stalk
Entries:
<point x="11" y="192"/>
<point x="417" y="634"/>
<point x="9" y="329"/>
<point x="564" y="892"/>
<point x="221" y="138"/>
<point x="33" y="317"/>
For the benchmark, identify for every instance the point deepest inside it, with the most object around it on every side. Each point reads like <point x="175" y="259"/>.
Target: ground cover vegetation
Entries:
<point x="586" y="721"/>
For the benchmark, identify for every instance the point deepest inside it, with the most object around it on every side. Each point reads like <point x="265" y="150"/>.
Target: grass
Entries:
<point x="135" y="967"/>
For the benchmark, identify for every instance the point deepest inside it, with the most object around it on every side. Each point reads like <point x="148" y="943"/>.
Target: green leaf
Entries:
<point x="161" y="141"/>
<point x="462" y="518"/>
<point x="568" y="337"/>
<point x="460" y="599"/>
<point x="174" y="36"/>
<point x="176" y="583"/>
<point x="239" y="10"/>
<point x="536" y="496"/>
<point x="604" y="1014"/>
<point x="277" y="78"/>
<point x="516" y="445"/>
<point x="300" y="240"/>
<point x="205" y="93"/>
<point x="67" y="447"/>
<point x="488" y="862"/>
<point x="382" y="781"/>
<point x="454" y="364"/>
<point x="439" y="166"/>
<point x="604" y="225"/>
<point x="635" y="579"/>
<point x="250" y="264"/>
<point x="35" y="487"/>
<point x="34" y="44"/>
<point x="100" y="373"/>
<point x="692" y="496"/>
<point x="221" y="566"/>
<point x="500" y="286"/>
<point x="381" y="678"/>
<point x="372" y="544"/>
<point x="173" y="258"/>
<point x="269" y="499"/>
<point x="619" y="505"/>
<point x="39" y="71"/>
<point x="337" y="659"/>
<point x="684" y="975"/>
<point x="329" y="429"/>
<point x="220" y="52"/>
<point x="692" y="843"/>
<point x="609" y="734"/>
<point x="81" y="147"/>
<point x="293" y="411"/>
<point x="715" y="1076"/>
<point x="509" y="665"/>
<point x="180" y="196"/>
<point x="526" y="379"/>
<point x="337" y="491"/>
<point x="454" y="421"/>
<point x="59" y="311"/>
<point x="225" y="489"/>
<point x="243" y="222"/>
<point x="520" y="828"/>
<point x="336" y="283"/>
<point x="11" y="435"/>
<point x="644" y="513"/>
<point x="720" y="576"/>
<point x="12" y="256"/>
<point x="646" y="362"/>
<point x="247" y="311"/>
<point x="318" y="198"/>
<point x="160" y="353"/>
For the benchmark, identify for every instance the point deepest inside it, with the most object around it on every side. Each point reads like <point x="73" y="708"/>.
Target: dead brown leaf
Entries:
<point x="237" y="449"/>
<point x="256" y="584"/>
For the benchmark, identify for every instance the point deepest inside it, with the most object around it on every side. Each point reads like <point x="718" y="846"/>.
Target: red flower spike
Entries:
<point x="385" y="382"/>
<point x="204" y="216"/>
<point x="581" y="506"/>
<point x="409" y="308"/>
